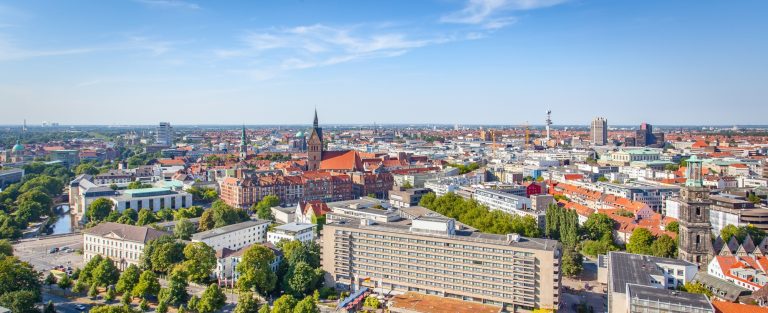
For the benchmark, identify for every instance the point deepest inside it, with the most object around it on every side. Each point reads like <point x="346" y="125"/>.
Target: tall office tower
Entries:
<point x="644" y="136"/>
<point x="432" y="257"/>
<point x="695" y="244"/>
<point x="164" y="134"/>
<point x="599" y="131"/>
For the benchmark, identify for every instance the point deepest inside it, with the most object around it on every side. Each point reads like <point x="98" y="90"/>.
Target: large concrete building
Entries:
<point x="164" y="134"/>
<point x="234" y="236"/>
<point x="123" y="244"/>
<point x="599" y="131"/>
<point x="430" y="256"/>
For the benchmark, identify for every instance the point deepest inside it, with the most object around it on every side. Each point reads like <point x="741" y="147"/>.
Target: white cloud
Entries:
<point x="319" y="45"/>
<point x="172" y="4"/>
<point x="489" y="13"/>
<point x="10" y="51"/>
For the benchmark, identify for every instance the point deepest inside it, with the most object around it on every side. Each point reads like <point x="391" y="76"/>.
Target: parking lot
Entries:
<point x="37" y="251"/>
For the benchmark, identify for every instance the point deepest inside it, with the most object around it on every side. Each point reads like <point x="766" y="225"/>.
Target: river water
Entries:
<point x="63" y="223"/>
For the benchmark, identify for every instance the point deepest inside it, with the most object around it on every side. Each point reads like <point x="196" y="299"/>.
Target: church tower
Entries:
<point x="243" y="145"/>
<point x="695" y="244"/>
<point x="315" y="146"/>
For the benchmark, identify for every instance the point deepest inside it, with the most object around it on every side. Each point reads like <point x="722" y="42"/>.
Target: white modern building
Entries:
<point x="123" y="244"/>
<point x="234" y="236"/>
<point x="509" y="203"/>
<point x="164" y="134"/>
<point x="291" y="231"/>
<point x="227" y="260"/>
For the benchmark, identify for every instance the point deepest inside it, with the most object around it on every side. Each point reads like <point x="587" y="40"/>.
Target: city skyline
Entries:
<point x="506" y="62"/>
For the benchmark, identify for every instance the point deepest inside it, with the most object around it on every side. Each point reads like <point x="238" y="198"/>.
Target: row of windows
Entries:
<point x="506" y="278"/>
<point x="438" y="243"/>
<point x="487" y="290"/>
<point x="443" y="251"/>
<point x="438" y="257"/>
<point x="112" y="252"/>
<point x="114" y="243"/>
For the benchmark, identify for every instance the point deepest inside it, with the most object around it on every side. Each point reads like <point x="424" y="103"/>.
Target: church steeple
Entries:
<point x="243" y="145"/>
<point x="315" y="124"/>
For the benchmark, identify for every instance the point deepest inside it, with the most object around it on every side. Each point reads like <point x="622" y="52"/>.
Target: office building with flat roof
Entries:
<point x="599" y="131"/>
<point x="234" y="236"/>
<point x="642" y="283"/>
<point x="429" y="255"/>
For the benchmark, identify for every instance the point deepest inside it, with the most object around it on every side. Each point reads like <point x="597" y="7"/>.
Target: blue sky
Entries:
<point x="439" y="61"/>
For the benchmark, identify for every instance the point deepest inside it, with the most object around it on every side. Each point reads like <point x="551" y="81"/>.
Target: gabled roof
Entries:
<point x="125" y="232"/>
<point x="341" y="160"/>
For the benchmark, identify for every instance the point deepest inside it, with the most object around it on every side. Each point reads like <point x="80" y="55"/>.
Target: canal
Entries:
<point x="63" y="224"/>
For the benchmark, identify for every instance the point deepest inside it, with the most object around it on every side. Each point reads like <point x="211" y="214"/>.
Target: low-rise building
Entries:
<point x="227" y="259"/>
<point x="291" y="231"/>
<point x="123" y="244"/>
<point x="641" y="283"/>
<point x="234" y="236"/>
<point x="403" y="198"/>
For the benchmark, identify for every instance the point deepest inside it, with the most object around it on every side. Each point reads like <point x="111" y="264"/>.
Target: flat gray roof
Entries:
<point x="460" y="235"/>
<point x="294" y="227"/>
<point x="628" y="268"/>
<point x="669" y="296"/>
<point x="227" y="229"/>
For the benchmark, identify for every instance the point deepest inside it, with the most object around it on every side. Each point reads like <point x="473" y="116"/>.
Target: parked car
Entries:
<point x="80" y="307"/>
<point x="53" y="250"/>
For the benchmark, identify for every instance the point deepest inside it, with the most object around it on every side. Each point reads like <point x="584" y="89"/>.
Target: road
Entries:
<point x="36" y="251"/>
<point x="62" y="305"/>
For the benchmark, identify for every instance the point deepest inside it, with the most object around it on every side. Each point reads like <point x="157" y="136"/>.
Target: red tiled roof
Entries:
<point x="730" y="307"/>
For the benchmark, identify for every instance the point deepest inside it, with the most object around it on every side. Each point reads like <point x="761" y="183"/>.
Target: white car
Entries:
<point x="80" y="307"/>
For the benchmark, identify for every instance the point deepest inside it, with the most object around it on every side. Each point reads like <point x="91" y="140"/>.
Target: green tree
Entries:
<point x="112" y="309"/>
<point x="571" y="264"/>
<point x="212" y="300"/>
<point x="602" y="179"/>
<point x="673" y="226"/>
<point x="79" y="286"/>
<point x="246" y="303"/>
<point x="695" y="287"/>
<point x="730" y="231"/>
<point x="599" y="226"/>
<point x="128" y="279"/>
<point x="754" y="198"/>
<point x="306" y="305"/>
<point x="300" y="279"/>
<point x="162" y="307"/>
<point x="110" y="294"/>
<point x="146" y="217"/>
<point x="86" y="168"/>
<point x="255" y="270"/>
<point x="594" y="248"/>
<point x="284" y="304"/>
<point x="144" y="305"/>
<point x="640" y="241"/>
<point x="264" y="308"/>
<point x="93" y="291"/>
<point x="200" y="261"/>
<point x="664" y="246"/>
<point x="264" y="207"/>
<point x="183" y="229"/>
<point x="371" y="302"/>
<point x="87" y="272"/>
<point x="6" y="249"/>
<point x="162" y="254"/>
<point x="16" y="275"/>
<point x="49" y="279"/>
<point x="206" y="221"/>
<point x="51" y="186"/>
<point x="99" y="209"/>
<point x="65" y="282"/>
<point x="21" y="301"/>
<point x="176" y="293"/>
<point x="106" y="273"/>
<point x="148" y="285"/>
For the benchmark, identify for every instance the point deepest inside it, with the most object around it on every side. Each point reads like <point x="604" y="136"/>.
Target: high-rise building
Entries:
<point x="599" y="131"/>
<point x="695" y="244"/>
<point x="164" y="134"/>
<point x="431" y="256"/>
<point x="644" y="136"/>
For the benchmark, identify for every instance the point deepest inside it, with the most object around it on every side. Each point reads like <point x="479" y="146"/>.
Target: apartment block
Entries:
<point x="234" y="236"/>
<point x="430" y="256"/>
